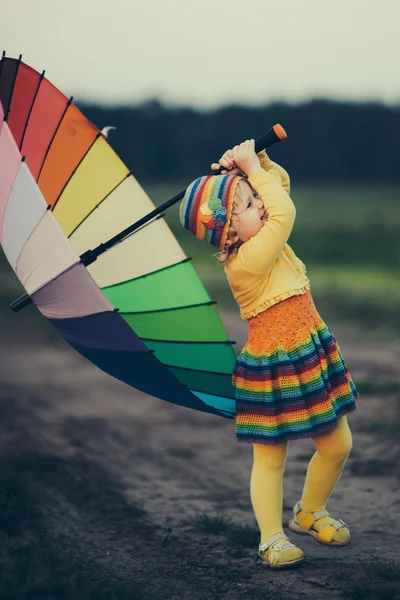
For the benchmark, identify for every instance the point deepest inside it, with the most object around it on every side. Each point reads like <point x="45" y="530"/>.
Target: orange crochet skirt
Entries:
<point x="290" y="380"/>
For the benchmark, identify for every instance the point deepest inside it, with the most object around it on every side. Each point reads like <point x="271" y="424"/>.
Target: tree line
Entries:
<point x="327" y="140"/>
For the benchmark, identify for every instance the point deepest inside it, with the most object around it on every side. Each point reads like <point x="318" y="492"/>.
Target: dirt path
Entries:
<point x="121" y="477"/>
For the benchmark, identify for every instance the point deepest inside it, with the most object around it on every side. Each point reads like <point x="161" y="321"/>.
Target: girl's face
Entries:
<point x="249" y="214"/>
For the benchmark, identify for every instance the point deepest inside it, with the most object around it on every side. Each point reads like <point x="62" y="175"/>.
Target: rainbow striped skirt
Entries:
<point x="290" y="379"/>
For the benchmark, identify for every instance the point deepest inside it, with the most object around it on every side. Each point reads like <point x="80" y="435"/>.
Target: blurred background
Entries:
<point x="182" y="82"/>
<point x="93" y="473"/>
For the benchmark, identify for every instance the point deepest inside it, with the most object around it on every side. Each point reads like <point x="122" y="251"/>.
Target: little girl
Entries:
<point x="290" y="379"/>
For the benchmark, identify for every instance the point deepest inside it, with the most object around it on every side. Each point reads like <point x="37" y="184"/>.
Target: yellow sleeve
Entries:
<point x="259" y="253"/>
<point x="268" y="164"/>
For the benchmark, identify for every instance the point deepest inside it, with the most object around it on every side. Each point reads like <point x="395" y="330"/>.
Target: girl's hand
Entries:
<point x="227" y="161"/>
<point x="245" y="157"/>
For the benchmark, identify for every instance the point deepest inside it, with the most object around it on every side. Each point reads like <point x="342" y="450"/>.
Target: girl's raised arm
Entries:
<point x="258" y="254"/>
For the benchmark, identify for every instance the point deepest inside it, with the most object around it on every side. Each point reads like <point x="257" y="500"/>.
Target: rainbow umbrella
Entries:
<point x="140" y="315"/>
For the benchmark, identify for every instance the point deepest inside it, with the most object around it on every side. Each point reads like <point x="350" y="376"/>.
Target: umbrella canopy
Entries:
<point x="140" y="312"/>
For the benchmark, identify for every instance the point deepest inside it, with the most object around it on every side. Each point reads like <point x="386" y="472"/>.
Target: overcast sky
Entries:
<point x="208" y="53"/>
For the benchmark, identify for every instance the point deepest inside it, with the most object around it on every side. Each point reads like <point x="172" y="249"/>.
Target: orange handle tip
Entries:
<point x="280" y="132"/>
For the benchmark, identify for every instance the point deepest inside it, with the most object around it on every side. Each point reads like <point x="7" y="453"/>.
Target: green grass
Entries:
<point x="347" y="236"/>
<point x="349" y="239"/>
<point x="335" y="225"/>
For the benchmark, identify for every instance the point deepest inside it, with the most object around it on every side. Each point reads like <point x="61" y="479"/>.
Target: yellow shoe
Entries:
<point x="335" y="533"/>
<point x="278" y="554"/>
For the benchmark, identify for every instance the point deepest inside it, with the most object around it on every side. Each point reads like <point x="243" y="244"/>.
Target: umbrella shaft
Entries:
<point x="90" y="256"/>
<point x="272" y="136"/>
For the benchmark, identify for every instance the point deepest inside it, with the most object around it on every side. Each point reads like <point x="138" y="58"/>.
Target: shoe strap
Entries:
<point x="337" y="524"/>
<point x="317" y="515"/>
<point x="275" y="538"/>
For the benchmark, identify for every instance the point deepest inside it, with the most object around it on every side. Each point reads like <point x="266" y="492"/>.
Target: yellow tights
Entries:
<point x="323" y="473"/>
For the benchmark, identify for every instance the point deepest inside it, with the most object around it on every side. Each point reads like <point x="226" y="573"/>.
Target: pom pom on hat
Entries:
<point x="206" y="208"/>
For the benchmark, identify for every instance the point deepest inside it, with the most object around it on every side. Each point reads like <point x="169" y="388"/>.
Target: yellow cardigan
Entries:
<point x="265" y="269"/>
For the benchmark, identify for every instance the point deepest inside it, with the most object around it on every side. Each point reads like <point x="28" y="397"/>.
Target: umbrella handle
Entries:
<point x="272" y="136"/>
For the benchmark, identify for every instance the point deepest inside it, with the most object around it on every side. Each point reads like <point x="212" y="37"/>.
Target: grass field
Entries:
<point x="348" y="237"/>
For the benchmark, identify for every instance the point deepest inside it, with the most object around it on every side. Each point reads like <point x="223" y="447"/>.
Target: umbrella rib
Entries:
<point x="158" y="310"/>
<point x="75" y="170"/>
<point x="30" y="110"/>
<point x="147" y="274"/>
<point x="101" y="201"/>
<point x="198" y="370"/>
<point x="192" y="389"/>
<point x="142" y="227"/>
<point x="53" y="138"/>
<point x="185" y="341"/>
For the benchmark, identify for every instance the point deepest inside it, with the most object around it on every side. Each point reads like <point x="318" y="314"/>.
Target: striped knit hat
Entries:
<point x="206" y="207"/>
